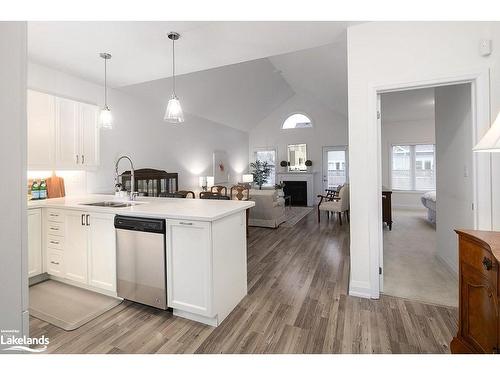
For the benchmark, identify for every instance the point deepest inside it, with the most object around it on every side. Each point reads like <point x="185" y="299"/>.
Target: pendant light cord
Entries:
<point x="105" y="84"/>
<point x="173" y="64"/>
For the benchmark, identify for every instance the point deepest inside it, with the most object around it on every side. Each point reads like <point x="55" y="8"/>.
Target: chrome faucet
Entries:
<point x="133" y="193"/>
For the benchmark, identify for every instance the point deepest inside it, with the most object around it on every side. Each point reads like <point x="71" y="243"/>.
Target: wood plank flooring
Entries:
<point x="297" y="302"/>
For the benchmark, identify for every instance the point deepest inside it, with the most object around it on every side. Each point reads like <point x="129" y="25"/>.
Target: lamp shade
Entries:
<point x="106" y="118"/>
<point x="248" y="178"/>
<point x="491" y="140"/>
<point x="174" y="112"/>
<point x="210" y="181"/>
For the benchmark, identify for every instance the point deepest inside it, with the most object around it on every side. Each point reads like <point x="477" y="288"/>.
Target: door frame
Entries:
<point x="481" y="165"/>
<point x="334" y="148"/>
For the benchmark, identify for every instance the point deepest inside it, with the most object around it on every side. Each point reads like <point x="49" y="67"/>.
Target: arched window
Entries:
<point x="297" y="121"/>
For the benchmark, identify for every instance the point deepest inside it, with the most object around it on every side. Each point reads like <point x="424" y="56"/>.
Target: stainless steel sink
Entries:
<point x="110" y="204"/>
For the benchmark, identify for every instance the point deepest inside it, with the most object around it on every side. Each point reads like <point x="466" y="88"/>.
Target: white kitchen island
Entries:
<point x="206" y="248"/>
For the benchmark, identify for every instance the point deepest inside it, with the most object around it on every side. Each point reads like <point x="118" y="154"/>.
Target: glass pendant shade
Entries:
<point x="174" y="112"/>
<point x="491" y="140"/>
<point x="106" y="118"/>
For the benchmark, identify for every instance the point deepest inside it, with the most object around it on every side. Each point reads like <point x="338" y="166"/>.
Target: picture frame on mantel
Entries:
<point x="221" y="167"/>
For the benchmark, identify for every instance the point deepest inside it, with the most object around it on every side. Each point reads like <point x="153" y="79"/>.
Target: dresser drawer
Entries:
<point x="55" y="242"/>
<point x="55" y="228"/>
<point x="55" y="215"/>
<point x="55" y="264"/>
<point x="480" y="260"/>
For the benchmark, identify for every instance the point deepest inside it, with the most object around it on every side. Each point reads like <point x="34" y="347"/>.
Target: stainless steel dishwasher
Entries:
<point x="140" y="253"/>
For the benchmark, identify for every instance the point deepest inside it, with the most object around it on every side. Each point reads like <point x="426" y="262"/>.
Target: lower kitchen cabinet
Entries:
<point x="34" y="242"/>
<point x="189" y="256"/>
<point x="86" y="253"/>
<point x="76" y="246"/>
<point x="102" y="251"/>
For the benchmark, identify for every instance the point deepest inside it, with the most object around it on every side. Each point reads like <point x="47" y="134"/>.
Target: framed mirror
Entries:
<point x="297" y="156"/>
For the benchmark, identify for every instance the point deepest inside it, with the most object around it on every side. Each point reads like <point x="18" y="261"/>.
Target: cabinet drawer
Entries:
<point x="55" y="228"/>
<point x="55" y="264"/>
<point x="55" y="242"/>
<point x="55" y="215"/>
<point x="480" y="260"/>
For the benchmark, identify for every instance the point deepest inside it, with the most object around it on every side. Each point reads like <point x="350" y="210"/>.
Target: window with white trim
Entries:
<point x="413" y="167"/>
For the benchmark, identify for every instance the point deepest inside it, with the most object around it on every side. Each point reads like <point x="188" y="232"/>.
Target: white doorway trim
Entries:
<point x="482" y="188"/>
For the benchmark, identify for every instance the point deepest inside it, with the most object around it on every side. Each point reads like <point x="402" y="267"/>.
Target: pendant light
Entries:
<point x="105" y="117"/>
<point x="174" y="113"/>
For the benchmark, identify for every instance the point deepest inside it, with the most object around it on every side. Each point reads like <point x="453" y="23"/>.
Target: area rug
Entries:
<point x="66" y="306"/>
<point x="294" y="215"/>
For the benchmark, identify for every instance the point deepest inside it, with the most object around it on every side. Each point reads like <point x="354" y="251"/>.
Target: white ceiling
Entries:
<point x="141" y="51"/>
<point x="408" y="105"/>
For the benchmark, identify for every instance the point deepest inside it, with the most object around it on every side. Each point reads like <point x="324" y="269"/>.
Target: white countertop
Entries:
<point x="168" y="208"/>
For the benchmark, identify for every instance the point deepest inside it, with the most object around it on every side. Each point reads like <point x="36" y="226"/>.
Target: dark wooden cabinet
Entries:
<point x="387" y="207"/>
<point x="151" y="182"/>
<point x="478" y="326"/>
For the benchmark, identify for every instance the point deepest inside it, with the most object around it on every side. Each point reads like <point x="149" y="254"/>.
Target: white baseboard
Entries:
<point x="360" y="289"/>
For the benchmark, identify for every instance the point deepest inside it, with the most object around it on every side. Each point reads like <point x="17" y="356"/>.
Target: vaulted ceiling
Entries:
<point x="233" y="73"/>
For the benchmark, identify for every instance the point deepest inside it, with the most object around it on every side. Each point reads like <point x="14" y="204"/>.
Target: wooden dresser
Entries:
<point x="478" y="321"/>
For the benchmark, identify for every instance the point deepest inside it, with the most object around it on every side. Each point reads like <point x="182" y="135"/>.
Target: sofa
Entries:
<point x="269" y="209"/>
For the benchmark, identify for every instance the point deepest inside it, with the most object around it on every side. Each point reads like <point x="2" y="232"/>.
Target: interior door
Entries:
<point x="335" y="166"/>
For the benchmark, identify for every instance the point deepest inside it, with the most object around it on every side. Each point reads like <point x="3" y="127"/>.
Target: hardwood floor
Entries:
<point x="297" y="302"/>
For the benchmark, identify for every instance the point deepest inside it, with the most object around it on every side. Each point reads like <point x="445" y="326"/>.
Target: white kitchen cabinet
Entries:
<point x="189" y="256"/>
<point x="102" y="251"/>
<point x="67" y="133"/>
<point x="89" y="135"/>
<point x="75" y="246"/>
<point x="34" y="242"/>
<point x="40" y="118"/>
<point x="77" y="135"/>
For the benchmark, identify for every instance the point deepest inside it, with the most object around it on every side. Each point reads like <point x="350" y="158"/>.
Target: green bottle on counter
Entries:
<point x="35" y="190"/>
<point x="43" y="190"/>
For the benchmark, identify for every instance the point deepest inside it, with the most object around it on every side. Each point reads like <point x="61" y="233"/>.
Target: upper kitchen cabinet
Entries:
<point x="77" y="136"/>
<point x="62" y="133"/>
<point x="41" y="116"/>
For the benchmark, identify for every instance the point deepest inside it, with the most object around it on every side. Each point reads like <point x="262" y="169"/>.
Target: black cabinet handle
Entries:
<point x="487" y="264"/>
<point x="87" y="220"/>
<point x="83" y="219"/>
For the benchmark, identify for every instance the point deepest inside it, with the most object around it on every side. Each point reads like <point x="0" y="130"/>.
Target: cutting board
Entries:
<point x="55" y="187"/>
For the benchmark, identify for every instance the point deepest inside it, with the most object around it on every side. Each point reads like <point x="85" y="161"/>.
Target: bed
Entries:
<point x="429" y="202"/>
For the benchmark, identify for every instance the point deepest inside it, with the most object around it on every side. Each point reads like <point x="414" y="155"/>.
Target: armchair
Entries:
<point x="335" y="204"/>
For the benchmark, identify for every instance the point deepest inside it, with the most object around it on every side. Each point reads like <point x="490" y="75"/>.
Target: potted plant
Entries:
<point x="279" y="187"/>
<point x="261" y="172"/>
<point x="284" y="164"/>
<point x="309" y="164"/>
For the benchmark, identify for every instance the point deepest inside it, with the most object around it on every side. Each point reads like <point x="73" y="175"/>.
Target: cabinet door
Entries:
<point x="75" y="246"/>
<point x="67" y="140"/>
<point x="34" y="242"/>
<point x="89" y="132"/>
<point x="479" y="310"/>
<point x="189" y="259"/>
<point x="102" y="252"/>
<point x="41" y="118"/>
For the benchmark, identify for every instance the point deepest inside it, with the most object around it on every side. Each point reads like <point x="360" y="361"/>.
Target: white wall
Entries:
<point x="403" y="132"/>
<point x="13" y="221"/>
<point x="390" y="53"/>
<point x="140" y="132"/>
<point x="329" y="129"/>
<point x="454" y="183"/>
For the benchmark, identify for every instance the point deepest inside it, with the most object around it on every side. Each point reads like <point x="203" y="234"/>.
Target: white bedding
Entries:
<point x="429" y="202"/>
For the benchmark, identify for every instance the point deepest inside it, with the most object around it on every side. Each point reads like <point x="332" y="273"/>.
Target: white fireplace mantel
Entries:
<point x="300" y="176"/>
